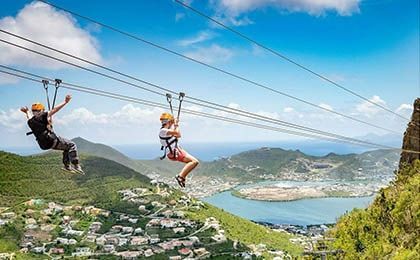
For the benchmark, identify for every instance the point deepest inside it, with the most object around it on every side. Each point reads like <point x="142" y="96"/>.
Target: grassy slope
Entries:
<point x="22" y="178"/>
<point x="247" y="232"/>
<point x="390" y="227"/>
<point x="42" y="177"/>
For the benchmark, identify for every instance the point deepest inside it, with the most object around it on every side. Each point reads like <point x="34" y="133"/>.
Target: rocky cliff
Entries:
<point x="411" y="141"/>
<point x="389" y="228"/>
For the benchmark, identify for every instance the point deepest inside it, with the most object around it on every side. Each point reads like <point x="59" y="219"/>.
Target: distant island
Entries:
<point x="276" y="192"/>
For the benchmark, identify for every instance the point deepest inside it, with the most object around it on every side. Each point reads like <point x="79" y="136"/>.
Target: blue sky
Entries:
<point x="371" y="47"/>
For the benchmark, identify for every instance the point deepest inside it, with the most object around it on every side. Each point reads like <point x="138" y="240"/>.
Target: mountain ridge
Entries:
<point x="262" y="163"/>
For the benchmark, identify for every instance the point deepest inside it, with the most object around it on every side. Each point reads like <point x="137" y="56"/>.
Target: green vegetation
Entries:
<point x="41" y="177"/>
<point x="241" y="167"/>
<point x="23" y="178"/>
<point x="390" y="227"/>
<point x="245" y="231"/>
<point x="10" y="236"/>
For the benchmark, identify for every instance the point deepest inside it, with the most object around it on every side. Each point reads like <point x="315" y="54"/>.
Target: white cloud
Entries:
<point x="12" y="120"/>
<point x="133" y="124"/>
<point x="234" y="12"/>
<point x="269" y="114"/>
<point x="227" y="18"/>
<point x="404" y="108"/>
<point x="213" y="54"/>
<point x="326" y="106"/>
<point x="44" y="24"/>
<point x="127" y="115"/>
<point x="368" y="109"/>
<point x="234" y="106"/>
<point x="288" y="109"/>
<point x="312" y="7"/>
<point x="200" y="37"/>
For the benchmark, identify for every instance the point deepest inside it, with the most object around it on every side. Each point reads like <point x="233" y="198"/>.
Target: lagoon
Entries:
<point x="299" y="212"/>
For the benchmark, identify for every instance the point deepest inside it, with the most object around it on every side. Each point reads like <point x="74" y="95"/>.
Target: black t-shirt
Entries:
<point x="39" y="123"/>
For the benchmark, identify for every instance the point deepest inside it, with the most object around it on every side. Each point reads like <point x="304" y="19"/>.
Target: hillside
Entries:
<point x="124" y="194"/>
<point x="22" y="178"/>
<point x="107" y="152"/>
<point x="276" y="163"/>
<point x="390" y="227"/>
<point x="264" y="163"/>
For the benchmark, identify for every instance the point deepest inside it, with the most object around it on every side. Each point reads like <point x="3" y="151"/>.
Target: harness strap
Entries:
<point x="45" y="84"/>
<point x="168" y="146"/>
<point x="57" y="85"/>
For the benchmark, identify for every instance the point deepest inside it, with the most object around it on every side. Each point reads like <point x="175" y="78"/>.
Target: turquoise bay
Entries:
<point x="299" y="212"/>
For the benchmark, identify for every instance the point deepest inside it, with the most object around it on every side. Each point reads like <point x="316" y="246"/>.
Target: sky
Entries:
<point x="368" y="46"/>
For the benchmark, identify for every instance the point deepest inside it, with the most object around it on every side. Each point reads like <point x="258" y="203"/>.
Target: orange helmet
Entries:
<point x="37" y="107"/>
<point x="166" y="117"/>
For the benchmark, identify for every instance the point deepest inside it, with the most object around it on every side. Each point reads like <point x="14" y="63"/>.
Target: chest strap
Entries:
<point x="168" y="146"/>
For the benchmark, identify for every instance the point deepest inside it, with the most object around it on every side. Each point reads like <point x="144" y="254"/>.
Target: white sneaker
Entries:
<point x="68" y="167"/>
<point x="78" y="169"/>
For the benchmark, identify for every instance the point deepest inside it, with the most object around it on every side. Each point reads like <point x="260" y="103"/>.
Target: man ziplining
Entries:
<point x="40" y="123"/>
<point x="169" y="134"/>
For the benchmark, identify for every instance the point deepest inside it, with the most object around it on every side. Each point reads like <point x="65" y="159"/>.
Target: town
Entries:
<point x="160" y="227"/>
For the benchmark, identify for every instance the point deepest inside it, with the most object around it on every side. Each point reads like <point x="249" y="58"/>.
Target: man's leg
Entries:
<point x="69" y="149"/>
<point x="62" y="145"/>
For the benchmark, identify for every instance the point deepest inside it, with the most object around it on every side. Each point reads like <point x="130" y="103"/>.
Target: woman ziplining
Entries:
<point x="40" y="123"/>
<point x="169" y="134"/>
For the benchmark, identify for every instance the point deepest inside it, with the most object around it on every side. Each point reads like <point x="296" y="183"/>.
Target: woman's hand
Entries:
<point x="67" y="99"/>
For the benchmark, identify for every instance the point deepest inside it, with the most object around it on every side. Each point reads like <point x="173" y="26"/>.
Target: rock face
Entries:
<point x="411" y="139"/>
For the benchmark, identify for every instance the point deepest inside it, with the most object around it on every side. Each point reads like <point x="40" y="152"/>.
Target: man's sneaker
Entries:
<point x="67" y="167"/>
<point x="78" y="169"/>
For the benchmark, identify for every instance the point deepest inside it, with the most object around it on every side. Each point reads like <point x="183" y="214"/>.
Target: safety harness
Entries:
<point x="170" y="140"/>
<point x="168" y="145"/>
<point x="44" y="135"/>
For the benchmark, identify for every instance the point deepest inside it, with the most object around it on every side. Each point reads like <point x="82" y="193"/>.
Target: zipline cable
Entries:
<point x="137" y="86"/>
<point x="163" y="106"/>
<point x="233" y="112"/>
<point x="202" y="63"/>
<point x="152" y="84"/>
<point x="278" y="54"/>
<point x="202" y="114"/>
<point x="206" y="115"/>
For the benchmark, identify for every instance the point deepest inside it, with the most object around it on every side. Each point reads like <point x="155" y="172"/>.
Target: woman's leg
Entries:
<point x="191" y="163"/>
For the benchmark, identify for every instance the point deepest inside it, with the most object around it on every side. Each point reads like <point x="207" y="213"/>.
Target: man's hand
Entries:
<point x="24" y="109"/>
<point x="67" y="99"/>
<point x="176" y="121"/>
